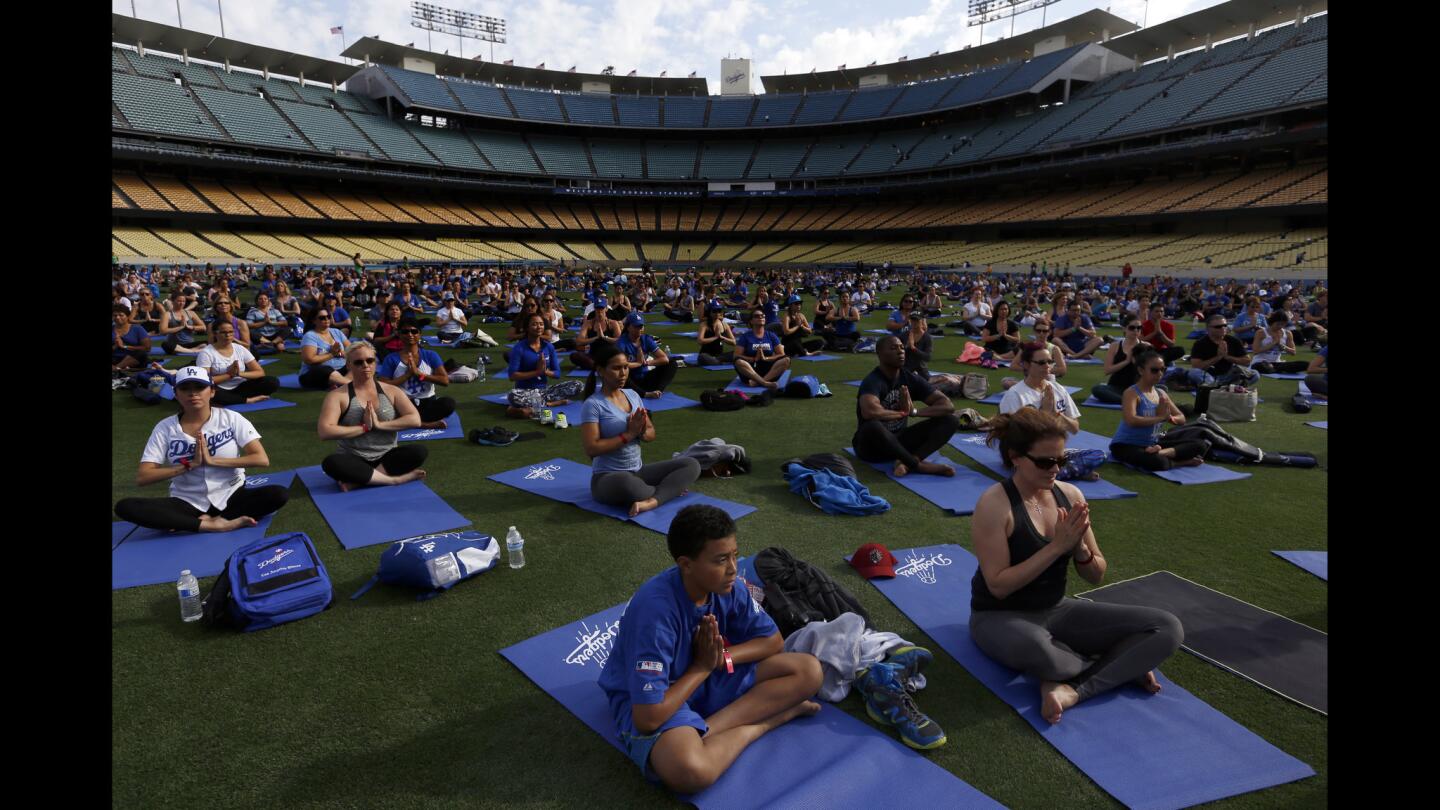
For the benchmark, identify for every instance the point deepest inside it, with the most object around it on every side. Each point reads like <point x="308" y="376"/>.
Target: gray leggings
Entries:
<point x="663" y="481"/>
<point x="1092" y="646"/>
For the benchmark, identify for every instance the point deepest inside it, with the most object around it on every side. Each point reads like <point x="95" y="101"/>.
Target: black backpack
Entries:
<point x="719" y="399"/>
<point x="797" y="593"/>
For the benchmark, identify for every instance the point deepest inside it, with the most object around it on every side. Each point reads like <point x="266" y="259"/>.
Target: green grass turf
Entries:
<point x="388" y="702"/>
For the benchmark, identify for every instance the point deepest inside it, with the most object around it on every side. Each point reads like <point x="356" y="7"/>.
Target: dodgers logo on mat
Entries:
<point x="977" y="438"/>
<point x="547" y="472"/>
<point x="255" y="482"/>
<point x="420" y="434"/>
<point x="923" y="568"/>
<point x="593" y="644"/>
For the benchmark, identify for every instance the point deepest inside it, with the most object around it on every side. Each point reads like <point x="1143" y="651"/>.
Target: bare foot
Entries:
<point x="523" y="413"/>
<point x="1192" y="462"/>
<point x="558" y="402"/>
<point x="931" y="468"/>
<point x="643" y="506"/>
<point x="413" y="475"/>
<point x="255" y="399"/>
<point x="1090" y="476"/>
<point x="211" y="523"/>
<point x="771" y="384"/>
<point x="344" y="487"/>
<point x="654" y="394"/>
<point x="439" y="424"/>
<point x="1055" y="698"/>
<point x="1148" y="683"/>
<point x="805" y="708"/>
<point x="901" y="470"/>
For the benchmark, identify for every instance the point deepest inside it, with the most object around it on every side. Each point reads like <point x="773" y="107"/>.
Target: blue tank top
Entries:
<point x="1139" y="436"/>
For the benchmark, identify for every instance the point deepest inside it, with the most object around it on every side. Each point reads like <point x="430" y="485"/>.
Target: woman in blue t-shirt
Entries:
<point x="612" y="424"/>
<point x="535" y="370"/>
<point x="323" y="352"/>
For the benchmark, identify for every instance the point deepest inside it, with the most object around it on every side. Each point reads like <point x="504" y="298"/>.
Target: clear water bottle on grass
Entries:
<point x="515" y="548"/>
<point x="189" y="588"/>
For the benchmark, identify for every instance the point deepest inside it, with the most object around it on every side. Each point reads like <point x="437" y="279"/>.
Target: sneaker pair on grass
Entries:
<point x="882" y="686"/>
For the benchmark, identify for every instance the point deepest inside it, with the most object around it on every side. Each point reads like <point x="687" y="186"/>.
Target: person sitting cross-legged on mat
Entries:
<point x="1217" y="357"/>
<point x="1160" y="334"/>
<point x="417" y="371"/>
<point x="1027" y="530"/>
<point x="365" y="417"/>
<point x="1075" y="332"/>
<point x="651" y="369"/>
<point x="596" y="327"/>
<point x="203" y="453"/>
<point x="322" y="351"/>
<point x="1317" y="373"/>
<point x="759" y="355"/>
<point x="130" y="343"/>
<point x="795" y="329"/>
<point x="884" y="408"/>
<point x="1037" y="390"/>
<point x="1273" y="341"/>
<point x="713" y="335"/>
<point x="236" y="374"/>
<point x="1143" y="409"/>
<point x="1120" y="363"/>
<point x="1001" y="334"/>
<point x="698" y="671"/>
<point x="534" y="366"/>
<point x="613" y="422"/>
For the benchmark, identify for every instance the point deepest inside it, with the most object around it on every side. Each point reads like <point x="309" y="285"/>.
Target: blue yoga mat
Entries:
<point x="689" y="334"/>
<point x="1084" y="361"/>
<point x="434" y="340"/>
<point x="153" y="556"/>
<point x="856" y="383"/>
<point x="368" y="516"/>
<point x="571" y="411"/>
<point x="1304" y="391"/>
<point x="119" y="530"/>
<point x="1207" y="473"/>
<point x="1322" y="425"/>
<point x="818" y="358"/>
<point x="1316" y="562"/>
<point x="690" y="358"/>
<point x="156" y="350"/>
<point x="739" y="384"/>
<point x="1168" y="750"/>
<point x="452" y="430"/>
<point x="973" y="445"/>
<point x="268" y="360"/>
<point x="1196" y="334"/>
<point x="568" y="481"/>
<point x="669" y="323"/>
<point x="574" y="372"/>
<point x="956" y="495"/>
<point x="994" y="399"/>
<point x="837" y="754"/>
<point x="263" y="405"/>
<point x="290" y="381"/>
<point x="1296" y="376"/>
<point x="1092" y="402"/>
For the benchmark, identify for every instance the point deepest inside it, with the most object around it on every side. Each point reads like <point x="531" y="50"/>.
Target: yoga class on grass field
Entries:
<point x="900" y="435"/>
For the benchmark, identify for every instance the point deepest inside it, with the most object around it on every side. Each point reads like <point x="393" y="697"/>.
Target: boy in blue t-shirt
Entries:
<point x="698" y="670"/>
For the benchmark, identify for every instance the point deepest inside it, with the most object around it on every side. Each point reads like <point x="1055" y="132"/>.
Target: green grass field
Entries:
<point x="389" y="702"/>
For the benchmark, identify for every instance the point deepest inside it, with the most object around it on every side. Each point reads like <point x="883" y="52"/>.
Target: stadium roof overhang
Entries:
<point x="1220" y="22"/>
<point x="378" y="51"/>
<point x="1092" y="26"/>
<point x="168" y="38"/>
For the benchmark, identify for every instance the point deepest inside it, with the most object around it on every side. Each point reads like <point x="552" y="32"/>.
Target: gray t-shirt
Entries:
<point x="599" y="409"/>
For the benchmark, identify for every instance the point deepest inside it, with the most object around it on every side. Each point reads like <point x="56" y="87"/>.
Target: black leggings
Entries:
<point x="663" y="481"/>
<point x="839" y="343"/>
<point x="434" y="409"/>
<point x="317" y="378"/>
<point x="1172" y="354"/>
<point x="796" y="345"/>
<point x="874" y="443"/>
<point x="658" y="379"/>
<point x="680" y="315"/>
<point x="263" y="386"/>
<point x="173" y="342"/>
<point x="356" y="471"/>
<point x="176" y="515"/>
<point x="1135" y="455"/>
<point x="1284" y="367"/>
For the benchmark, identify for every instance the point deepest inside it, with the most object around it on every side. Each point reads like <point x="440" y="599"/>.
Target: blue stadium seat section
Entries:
<point x="775" y="110"/>
<point x="977" y="86"/>
<point x="422" y="88"/>
<point x="684" y="112"/>
<point x="1271" y="85"/>
<point x="394" y="138"/>
<point x="639" y="111"/>
<point x="883" y="154"/>
<point x="562" y="154"/>
<point x="923" y="96"/>
<point x="1046" y="123"/>
<point x="589" y="109"/>
<point x="730" y="112"/>
<point x="1317" y="90"/>
<point x="1184" y="63"/>
<point x="119" y="62"/>
<point x="483" y="99"/>
<point x="250" y="119"/>
<point x="160" y="106"/>
<point x="535" y="105"/>
<point x="1313" y="29"/>
<point x="507" y="152"/>
<point x="326" y="128"/>
<point x="1179" y="99"/>
<point x="1104" y="115"/>
<point x="821" y="108"/>
<point x="617" y="158"/>
<point x="451" y="146"/>
<point x="1032" y="71"/>
<point x="164" y="67"/>
<point x="777" y="159"/>
<point x="725" y="160"/>
<point x="1270" y="41"/>
<point x="870" y="103"/>
<point x="830" y="156"/>
<point x="242" y="82"/>
<point x="670" y="160"/>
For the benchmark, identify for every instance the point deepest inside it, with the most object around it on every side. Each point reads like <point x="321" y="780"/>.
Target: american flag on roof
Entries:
<point x="337" y="29"/>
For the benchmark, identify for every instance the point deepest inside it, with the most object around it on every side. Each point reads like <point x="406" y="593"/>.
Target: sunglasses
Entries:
<point x="1045" y="462"/>
<point x="1134" y="327"/>
<point x="1219" y="326"/>
<point x="409" y="331"/>
<point x="1043" y="362"/>
<point x="363" y="361"/>
<point x="322" y="317"/>
<point x="1156" y="370"/>
<point x="1042" y="331"/>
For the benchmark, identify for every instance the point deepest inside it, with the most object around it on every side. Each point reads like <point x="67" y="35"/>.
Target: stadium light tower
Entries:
<point x="462" y="24"/>
<point x="987" y="11"/>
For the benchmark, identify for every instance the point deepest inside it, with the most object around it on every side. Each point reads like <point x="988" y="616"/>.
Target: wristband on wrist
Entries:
<point x="1085" y="561"/>
<point x="185" y="462"/>
<point x="364" y="428"/>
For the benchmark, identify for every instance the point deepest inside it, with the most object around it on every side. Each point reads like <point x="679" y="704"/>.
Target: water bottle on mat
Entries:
<point x="515" y="548"/>
<point x="189" y="588"/>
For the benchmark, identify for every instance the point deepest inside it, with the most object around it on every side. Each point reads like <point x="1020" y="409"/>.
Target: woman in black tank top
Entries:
<point x="1027" y="530"/>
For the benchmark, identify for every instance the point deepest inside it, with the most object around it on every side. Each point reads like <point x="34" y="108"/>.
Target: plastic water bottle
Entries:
<point x="189" y="588"/>
<point x="515" y="548"/>
<point x="481" y="378"/>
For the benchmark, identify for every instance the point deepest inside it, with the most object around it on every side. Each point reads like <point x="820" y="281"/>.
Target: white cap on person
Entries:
<point x="192" y="374"/>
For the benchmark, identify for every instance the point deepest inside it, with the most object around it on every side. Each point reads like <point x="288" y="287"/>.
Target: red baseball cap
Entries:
<point x="873" y="560"/>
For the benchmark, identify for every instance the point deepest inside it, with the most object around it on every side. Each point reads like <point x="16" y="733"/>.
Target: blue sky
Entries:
<point x="677" y="36"/>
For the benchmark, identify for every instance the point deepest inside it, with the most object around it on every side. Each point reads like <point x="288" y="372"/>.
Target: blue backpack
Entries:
<point x="434" y="563"/>
<point x="271" y="581"/>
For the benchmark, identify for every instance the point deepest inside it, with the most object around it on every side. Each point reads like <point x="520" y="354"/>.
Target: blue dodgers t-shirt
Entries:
<point x="1075" y="340"/>
<point x="600" y="410"/>
<point x="134" y="336"/>
<point x="524" y="358"/>
<point x="636" y="354"/>
<point x="745" y="344"/>
<point x="313" y="339"/>
<point x="652" y="649"/>
<point x="414" y="388"/>
<point x="889" y="394"/>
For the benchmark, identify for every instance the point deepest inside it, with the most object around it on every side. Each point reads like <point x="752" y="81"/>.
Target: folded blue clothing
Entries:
<point x="832" y="493"/>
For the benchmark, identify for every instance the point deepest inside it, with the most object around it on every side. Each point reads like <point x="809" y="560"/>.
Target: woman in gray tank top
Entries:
<point x="365" y="417"/>
<point x="1027" y="532"/>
